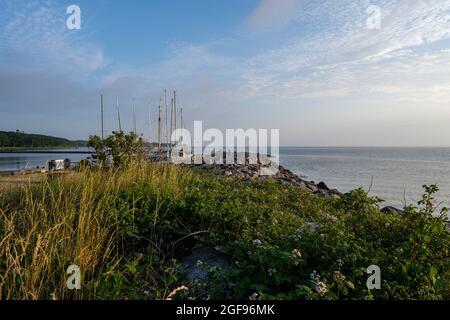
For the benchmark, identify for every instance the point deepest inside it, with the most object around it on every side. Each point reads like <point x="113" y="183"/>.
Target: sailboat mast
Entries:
<point x="171" y="125"/>
<point x="149" y="126"/>
<point x="134" y="119"/>
<point x="181" y="118"/>
<point x="159" y="125"/>
<point x="118" y="114"/>
<point x="101" y="103"/>
<point x="175" y="112"/>
<point x="167" y="120"/>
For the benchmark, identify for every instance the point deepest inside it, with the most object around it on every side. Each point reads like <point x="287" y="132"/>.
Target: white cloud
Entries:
<point x="37" y="31"/>
<point x="326" y="58"/>
<point x="344" y="56"/>
<point x="272" y="14"/>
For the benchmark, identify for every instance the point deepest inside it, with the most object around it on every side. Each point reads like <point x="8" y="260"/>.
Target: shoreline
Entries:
<point x="251" y="172"/>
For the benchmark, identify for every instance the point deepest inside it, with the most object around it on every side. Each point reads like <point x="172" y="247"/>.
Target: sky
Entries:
<point x="313" y="69"/>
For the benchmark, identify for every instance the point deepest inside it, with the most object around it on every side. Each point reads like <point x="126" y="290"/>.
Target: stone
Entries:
<point x="392" y="210"/>
<point x="199" y="262"/>
<point x="334" y="193"/>
<point x="323" y="186"/>
<point x="311" y="186"/>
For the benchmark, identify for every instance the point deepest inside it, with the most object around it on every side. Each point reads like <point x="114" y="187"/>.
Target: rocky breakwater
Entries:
<point x="253" y="172"/>
<point x="249" y="171"/>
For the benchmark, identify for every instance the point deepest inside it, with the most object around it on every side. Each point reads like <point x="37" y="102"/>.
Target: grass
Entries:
<point x="127" y="230"/>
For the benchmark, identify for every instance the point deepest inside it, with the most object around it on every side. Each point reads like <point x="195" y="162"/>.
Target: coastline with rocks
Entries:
<point x="253" y="172"/>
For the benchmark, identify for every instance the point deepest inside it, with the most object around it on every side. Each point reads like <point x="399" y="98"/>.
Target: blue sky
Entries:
<point x="312" y="69"/>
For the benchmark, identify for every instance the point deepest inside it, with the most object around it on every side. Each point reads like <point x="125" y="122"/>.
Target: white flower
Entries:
<point x="340" y="263"/>
<point x="298" y="234"/>
<point x="297" y="253"/>
<point x="271" y="271"/>
<point x="338" y="276"/>
<point x="321" y="288"/>
<point x="199" y="263"/>
<point x="314" y="276"/>
<point x="257" y="242"/>
<point x="254" y="296"/>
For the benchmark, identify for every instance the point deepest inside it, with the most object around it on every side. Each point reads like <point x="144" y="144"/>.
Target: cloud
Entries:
<point x="342" y="60"/>
<point x="323" y="64"/>
<point x="36" y="32"/>
<point x="343" y="56"/>
<point x="272" y="14"/>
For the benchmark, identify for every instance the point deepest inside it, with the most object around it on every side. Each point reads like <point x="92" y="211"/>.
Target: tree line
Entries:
<point x="18" y="139"/>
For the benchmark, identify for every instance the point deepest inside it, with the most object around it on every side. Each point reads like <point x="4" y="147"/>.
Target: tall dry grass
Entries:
<point x="48" y="226"/>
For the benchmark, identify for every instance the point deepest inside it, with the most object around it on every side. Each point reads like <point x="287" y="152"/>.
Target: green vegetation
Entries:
<point x="15" y="139"/>
<point x="127" y="230"/>
<point x="123" y="147"/>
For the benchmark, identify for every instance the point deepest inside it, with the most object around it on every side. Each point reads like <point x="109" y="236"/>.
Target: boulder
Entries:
<point x="392" y="210"/>
<point x="334" y="192"/>
<point x="199" y="262"/>
<point x="323" y="186"/>
<point x="311" y="186"/>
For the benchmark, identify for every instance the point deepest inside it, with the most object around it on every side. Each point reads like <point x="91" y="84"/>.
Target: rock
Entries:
<point x="392" y="210"/>
<point x="323" y="186"/>
<point x="334" y="193"/>
<point x="255" y="175"/>
<point x="198" y="264"/>
<point x="301" y="185"/>
<point x="311" y="186"/>
<point x="258" y="171"/>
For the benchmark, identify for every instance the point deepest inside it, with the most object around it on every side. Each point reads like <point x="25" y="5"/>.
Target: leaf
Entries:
<point x="350" y="285"/>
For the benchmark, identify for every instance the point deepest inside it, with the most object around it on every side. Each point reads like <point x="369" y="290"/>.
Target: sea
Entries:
<point x="395" y="175"/>
<point x="14" y="161"/>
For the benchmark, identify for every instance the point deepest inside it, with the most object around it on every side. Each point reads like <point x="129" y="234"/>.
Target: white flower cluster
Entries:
<point x="338" y="276"/>
<point x="319" y="285"/>
<point x="298" y="234"/>
<point x="257" y="242"/>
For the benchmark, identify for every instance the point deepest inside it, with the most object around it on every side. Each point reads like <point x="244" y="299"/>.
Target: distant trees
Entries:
<point x="18" y="139"/>
<point x="120" y="146"/>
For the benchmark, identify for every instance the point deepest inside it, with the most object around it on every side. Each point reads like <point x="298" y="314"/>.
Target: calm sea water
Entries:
<point x="398" y="173"/>
<point x="17" y="161"/>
